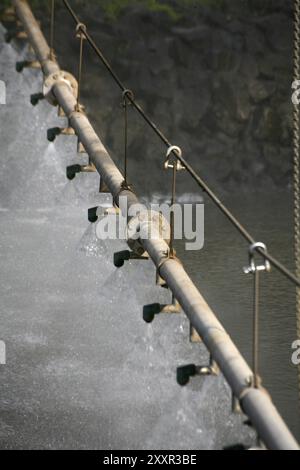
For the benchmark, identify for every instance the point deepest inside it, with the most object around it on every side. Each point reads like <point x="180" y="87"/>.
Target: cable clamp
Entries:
<point x="167" y="257"/>
<point x="75" y="113"/>
<point x="125" y="186"/>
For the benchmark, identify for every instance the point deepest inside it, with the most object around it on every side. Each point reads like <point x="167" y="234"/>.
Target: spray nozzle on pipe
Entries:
<point x="53" y="133"/>
<point x="184" y="373"/>
<point x="32" y="64"/>
<point x="20" y="66"/>
<point x="56" y="131"/>
<point x="35" y="98"/>
<point x="149" y="311"/>
<point x="121" y="256"/>
<point x="16" y="32"/>
<point x="92" y="214"/>
<point x="72" y="171"/>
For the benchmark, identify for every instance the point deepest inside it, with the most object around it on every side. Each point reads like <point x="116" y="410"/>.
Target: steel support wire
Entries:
<point x="201" y="183"/>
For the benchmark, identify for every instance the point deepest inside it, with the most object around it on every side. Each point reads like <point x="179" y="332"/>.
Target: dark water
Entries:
<point x="217" y="271"/>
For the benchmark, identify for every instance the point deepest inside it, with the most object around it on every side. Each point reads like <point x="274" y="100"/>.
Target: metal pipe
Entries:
<point x="35" y="37"/>
<point x="255" y="402"/>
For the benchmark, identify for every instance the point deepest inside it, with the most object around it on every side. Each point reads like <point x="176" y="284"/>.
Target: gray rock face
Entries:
<point x="222" y="71"/>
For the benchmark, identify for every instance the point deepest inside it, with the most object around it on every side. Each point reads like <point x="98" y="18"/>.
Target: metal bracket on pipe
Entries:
<point x="103" y="187"/>
<point x="80" y="147"/>
<point x="56" y="131"/>
<point x="9" y="15"/>
<point x="121" y="256"/>
<point x="149" y="311"/>
<point x="160" y="280"/>
<point x="99" y="212"/>
<point x="73" y="170"/>
<point x="55" y="78"/>
<point x="60" y="112"/>
<point x="194" y="335"/>
<point x="184" y="373"/>
<point x="235" y="405"/>
<point x="29" y="64"/>
<point x="15" y="33"/>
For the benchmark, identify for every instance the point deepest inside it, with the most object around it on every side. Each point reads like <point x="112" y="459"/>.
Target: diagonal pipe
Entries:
<point x="255" y="402"/>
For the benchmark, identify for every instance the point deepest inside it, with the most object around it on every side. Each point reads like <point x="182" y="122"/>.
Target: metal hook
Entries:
<point x="80" y="29"/>
<point x="127" y="94"/>
<point x="80" y="33"/>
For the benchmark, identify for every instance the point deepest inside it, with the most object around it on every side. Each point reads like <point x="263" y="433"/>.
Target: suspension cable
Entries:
<point x="201" y="183"/>
<point x="125" y="108"/>
<point x="79" y="34"/>
<point x="126" y="94"/>
<point x="255" y="346"/>
<point x="52" y="26"/>
<point x="255" y="270"/>
<point x="175" y="166"/>
<point x="296" y="161"/>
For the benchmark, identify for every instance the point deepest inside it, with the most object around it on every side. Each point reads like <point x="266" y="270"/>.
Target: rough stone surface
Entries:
<point x="214" y="72"/>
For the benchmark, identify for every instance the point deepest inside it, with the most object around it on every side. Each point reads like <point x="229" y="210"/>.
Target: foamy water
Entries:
<point x="83" y="369"/>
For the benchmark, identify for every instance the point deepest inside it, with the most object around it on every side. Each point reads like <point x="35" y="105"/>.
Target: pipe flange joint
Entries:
<point x="56" y="78"/>
<point x="148" y="224"/>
